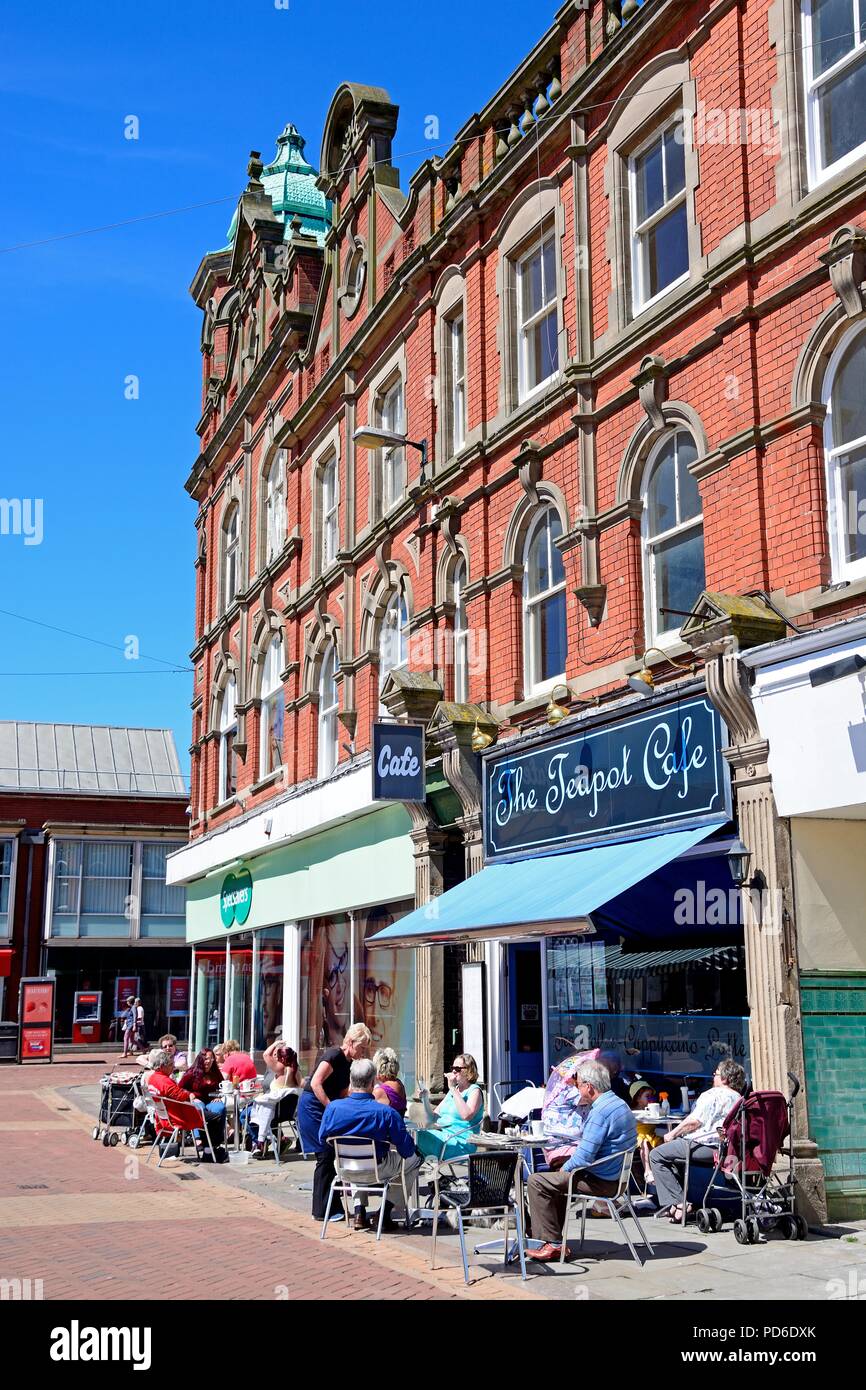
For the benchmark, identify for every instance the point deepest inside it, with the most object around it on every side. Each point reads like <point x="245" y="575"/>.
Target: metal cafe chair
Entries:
<point x="614" y="1204"/>
<point x="357" y="1170"/>
<point x="490" y="1179"/>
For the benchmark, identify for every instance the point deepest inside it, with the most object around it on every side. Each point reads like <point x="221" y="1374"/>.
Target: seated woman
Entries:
<point x="236" y="1066"/>
<point x="282" y="1081"/>
<point x="457" y="1117"/>
<point x="388" y="1088"/>
<point x="202" y="1080"/>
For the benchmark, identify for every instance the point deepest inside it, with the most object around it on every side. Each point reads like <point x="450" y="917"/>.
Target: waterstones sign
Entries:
<point x="655" y="770"/>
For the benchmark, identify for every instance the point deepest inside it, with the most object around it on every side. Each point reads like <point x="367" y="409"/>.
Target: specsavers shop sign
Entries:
<point x="631" y="777"/>
<point x="236" y="898"/>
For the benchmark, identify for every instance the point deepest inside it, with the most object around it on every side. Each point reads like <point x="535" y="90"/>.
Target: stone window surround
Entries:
<point x="450" y="299"/>
<point x="232" y="501"/>
<point x="671" y="637"/>
<point x="354" y="278"/>
<point x="535" y="212"/>
<point x="514" y="552"/>
<point x="392" y="367"/>
<point x="639" y="452"/>
<point x="788" y="96"/>
<point x="270" y="460"/>
<point x="841" y="570"/>
<point x="328" y="447"/>
<point x="661" y="88"/>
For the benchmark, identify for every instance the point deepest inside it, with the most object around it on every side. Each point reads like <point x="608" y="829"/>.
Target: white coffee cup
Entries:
<point x="537" y="1127"/>
<point x="654" y="1109"/>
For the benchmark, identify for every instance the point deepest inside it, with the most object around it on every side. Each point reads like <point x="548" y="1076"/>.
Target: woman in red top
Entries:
<point x="203" y="1077"/>
<point x="236" y="1065"/>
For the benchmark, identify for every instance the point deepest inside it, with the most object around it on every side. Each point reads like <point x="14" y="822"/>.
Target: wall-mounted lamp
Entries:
<point x="739" y="857"/>
<point x="643" y="682"/>
<point x="370" y="437"/>
<point x="557" y="709"/>
<point x="480" y="740"/>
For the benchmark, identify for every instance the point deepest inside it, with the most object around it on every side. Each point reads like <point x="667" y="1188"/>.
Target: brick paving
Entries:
<point x="97" y="1223"/>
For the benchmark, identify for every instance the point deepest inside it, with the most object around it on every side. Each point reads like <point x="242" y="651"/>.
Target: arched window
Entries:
<point x="231" y="556"/>
<point x="845" y="454"/>
<point x="329" y="747"/>
<point x="392" y="465"/>
<point x="461" y="634"/>
<point x="275" y="508"/>
<point x="273" y="709"/>
<point x="393" y="638"/>
<point x="673" y="536"/>
<point x="544" y="630"/>
<point x="228" y="728"/>
<point x="330" y="513"/>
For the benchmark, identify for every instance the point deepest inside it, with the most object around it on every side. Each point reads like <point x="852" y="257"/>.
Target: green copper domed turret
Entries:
<point x="290" y="183"/>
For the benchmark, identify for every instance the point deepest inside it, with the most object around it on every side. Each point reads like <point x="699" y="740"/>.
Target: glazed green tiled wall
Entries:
<point x="834" y="1038"/>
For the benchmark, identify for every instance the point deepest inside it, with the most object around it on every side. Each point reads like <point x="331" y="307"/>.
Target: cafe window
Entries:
<point x="6" y="853"/>
<point x="345" y="982"/>
<point x="669" y="1013"/>
<point x="268" y="988"/>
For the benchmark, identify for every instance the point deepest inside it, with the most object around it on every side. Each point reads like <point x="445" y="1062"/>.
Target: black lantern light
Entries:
<point x="738" y="862"/>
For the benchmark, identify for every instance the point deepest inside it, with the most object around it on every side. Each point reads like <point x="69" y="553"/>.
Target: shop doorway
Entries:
<point x="526" y="1013"/>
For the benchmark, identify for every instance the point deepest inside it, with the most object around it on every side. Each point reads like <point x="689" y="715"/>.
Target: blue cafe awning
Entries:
<point x="548" y="894"/>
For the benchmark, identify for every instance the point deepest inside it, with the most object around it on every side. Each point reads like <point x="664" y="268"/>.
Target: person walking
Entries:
<point x="139" y="1026"/>
<point x="129" y="1026"/>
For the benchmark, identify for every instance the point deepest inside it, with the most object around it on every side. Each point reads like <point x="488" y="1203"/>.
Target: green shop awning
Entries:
<point x="541" y="896"/>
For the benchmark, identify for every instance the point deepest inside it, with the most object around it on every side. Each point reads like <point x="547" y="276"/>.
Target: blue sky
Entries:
<point x="207" y="82"/>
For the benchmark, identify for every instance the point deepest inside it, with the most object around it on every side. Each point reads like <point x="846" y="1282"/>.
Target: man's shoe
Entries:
<point x="362" y="1220"/>
<point x="546" y="1254"/>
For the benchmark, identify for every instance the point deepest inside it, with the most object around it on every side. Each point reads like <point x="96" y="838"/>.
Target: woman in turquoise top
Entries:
<point x="458" y="1116"/>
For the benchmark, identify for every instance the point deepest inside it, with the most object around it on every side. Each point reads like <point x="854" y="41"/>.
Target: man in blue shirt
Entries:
<point x="610" y="1128"/>
<point x="361" y="1116"/>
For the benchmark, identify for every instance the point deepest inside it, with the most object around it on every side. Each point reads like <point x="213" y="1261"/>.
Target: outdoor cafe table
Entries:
<point x="233" y="1101"/>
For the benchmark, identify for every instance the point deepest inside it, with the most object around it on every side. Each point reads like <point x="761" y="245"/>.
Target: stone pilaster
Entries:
<point x="429" y="849"/>
<point x="775" y="1030"/>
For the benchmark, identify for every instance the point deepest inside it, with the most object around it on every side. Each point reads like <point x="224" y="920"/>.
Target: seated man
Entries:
<point x="160" y="1083"/>
<point x="697" y="1136"/>
<point x="359" y="1115"/>
<point x="610" y="1129"/>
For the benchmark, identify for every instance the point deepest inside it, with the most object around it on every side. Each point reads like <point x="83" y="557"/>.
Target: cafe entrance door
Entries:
<point x="526" y="1013"/>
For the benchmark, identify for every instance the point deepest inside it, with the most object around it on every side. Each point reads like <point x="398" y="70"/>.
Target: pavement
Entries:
<point x="82" y="1221"/>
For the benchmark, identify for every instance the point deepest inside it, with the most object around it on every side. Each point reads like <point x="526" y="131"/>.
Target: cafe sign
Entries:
<point x="398" y="762"/>
<point x="236" y="897"/>
<point x="656" y="770"/>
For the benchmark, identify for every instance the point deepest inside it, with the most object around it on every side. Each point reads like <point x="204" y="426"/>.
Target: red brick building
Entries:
<point x="88" y="815"/>
<point x="625" y="314"/>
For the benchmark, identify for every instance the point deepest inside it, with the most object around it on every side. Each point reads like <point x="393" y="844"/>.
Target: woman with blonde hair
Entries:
<point x="388" y="1088"/>
<point x="329" y="1081"/>
<point x="458" y="1117"/>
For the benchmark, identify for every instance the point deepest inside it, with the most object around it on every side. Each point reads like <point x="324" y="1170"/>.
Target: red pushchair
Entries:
<point x="753" y="1138"/>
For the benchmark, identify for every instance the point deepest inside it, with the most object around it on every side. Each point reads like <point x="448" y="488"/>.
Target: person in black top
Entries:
<point x="329" y="1081"/>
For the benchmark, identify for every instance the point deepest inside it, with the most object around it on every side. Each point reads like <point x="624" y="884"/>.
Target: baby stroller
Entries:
<point x="753" y="1137"/>
<point x="119" y="1091"/>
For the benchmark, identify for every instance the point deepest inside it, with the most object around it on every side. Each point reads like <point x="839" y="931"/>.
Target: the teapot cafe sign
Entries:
<point x="652" y="771"/>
